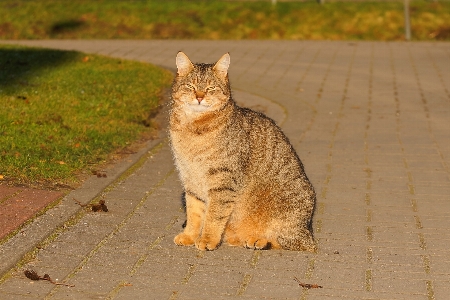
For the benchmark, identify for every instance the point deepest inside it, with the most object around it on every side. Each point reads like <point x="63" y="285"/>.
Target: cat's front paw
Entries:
<point x="183" y="239"/>
<point x="207" y="243"/>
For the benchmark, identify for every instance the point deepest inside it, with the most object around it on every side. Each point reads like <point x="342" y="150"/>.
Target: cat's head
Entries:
<point x="201" y="87"/>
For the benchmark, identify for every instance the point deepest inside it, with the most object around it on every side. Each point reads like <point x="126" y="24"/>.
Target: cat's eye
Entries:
<point x="190" y="86"/>
<point x="210" y="89"/>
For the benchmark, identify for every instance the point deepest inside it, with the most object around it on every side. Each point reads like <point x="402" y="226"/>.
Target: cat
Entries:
<point x="244" y="184"/>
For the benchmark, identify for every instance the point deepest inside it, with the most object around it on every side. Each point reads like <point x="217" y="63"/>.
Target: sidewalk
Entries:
<point x="371" y="123"/>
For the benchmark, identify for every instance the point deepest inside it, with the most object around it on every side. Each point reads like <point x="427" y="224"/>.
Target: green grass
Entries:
<point x="176" y="19"/>
<point x="64" y="112"/>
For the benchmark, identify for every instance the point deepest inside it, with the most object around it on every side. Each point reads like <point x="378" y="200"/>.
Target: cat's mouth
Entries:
<point x="199" y="107"/>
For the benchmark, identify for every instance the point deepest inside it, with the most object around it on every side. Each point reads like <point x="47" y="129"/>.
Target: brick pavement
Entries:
<point x="17" y="205"/>
<point x="370" y="121"/>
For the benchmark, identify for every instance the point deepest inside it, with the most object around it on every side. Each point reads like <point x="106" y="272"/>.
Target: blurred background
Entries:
<point x="213" y="19"/>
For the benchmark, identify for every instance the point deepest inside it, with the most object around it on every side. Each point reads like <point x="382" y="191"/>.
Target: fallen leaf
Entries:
<point x="101" y="206"/>
<point x="85" y="59"/>
<point x="31" y="274"/>
<point x="308" y="285"/>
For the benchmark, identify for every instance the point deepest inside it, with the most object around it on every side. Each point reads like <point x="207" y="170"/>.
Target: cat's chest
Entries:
<point x="194" y="157"/>
<point x="196" y="150"/>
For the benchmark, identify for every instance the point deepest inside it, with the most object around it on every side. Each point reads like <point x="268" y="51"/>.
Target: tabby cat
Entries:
<point x="244" y="183"/>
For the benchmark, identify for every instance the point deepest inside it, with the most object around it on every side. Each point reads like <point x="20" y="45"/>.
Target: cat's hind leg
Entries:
<point x="250" y="235"/>
<point x="298" y="240"/>
<point x="195" y="212"/>
<point x="261" y="243"/>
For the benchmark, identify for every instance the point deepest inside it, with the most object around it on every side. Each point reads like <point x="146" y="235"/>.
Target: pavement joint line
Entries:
<point x="112" y="233"/>
<point x="368" y="285"/>
<point x="340" y="114"/>
<point x="115" y="291"/>
<point x="299" y="53"/>
<point x="426" y="263"/>
<point x="283" y="108"/>
<point x="298" y="87"/>
<point x="7" y="197"/>
<point x="252" y="64"/>
<point x="140" y="162"/>
<point x="418" y="222"/>
<point x="174" y="295"/>
<point x="310" y="268"/>
<point x="318" y="97"/>
<point x="246" y="279"/>
<point x="430" y="290"/>
<point x="244" y="284"/>
<point x="190" y="272"/>
<point x="369" y="255"/>
<point x="422" y="242"/>
<point x="369" y="233"/>
<point x="255" y="258"/>
<point x="308" y="275"/>
<point x="427" y="110"/>
<point x="304" y="294"/>
<point x="261" y="74"/>
<point x="368" y="215"/>
<point x="367" y="200"/>
<point x="320" y="209"/>
<point x="411" y="187"/>
<point x="438" y="71"/>
<point x="413" y="204"/>
<point x="144" y="256"/>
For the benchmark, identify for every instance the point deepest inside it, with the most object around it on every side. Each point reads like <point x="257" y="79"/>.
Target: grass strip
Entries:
<point x="213" y="19"/>
<point x="64" y="112"/>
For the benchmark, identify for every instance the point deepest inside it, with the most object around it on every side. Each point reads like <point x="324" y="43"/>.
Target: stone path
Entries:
<point x="371" y="123"/>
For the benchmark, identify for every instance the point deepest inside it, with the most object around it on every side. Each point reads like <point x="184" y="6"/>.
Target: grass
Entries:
<point x="64" y="112"/>
<point x="176" y="19"/>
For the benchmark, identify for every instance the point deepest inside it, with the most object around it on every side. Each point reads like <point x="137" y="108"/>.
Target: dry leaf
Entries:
<point x="31" y="274"/>
<point x="101" y="206"/>
<point x="308" y="285"/>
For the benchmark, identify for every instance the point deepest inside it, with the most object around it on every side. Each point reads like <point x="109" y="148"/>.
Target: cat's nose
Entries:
<point x="199" y="95"/>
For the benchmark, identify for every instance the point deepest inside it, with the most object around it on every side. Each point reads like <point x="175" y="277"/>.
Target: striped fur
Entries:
<point x="244" y="183"/>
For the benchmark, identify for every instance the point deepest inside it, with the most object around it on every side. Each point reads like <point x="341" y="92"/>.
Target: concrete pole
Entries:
<point x="407" y="21"/>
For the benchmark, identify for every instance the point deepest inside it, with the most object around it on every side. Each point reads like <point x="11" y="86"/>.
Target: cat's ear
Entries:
<point x="222" y="65"/>
<point x="184" y="65"/>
